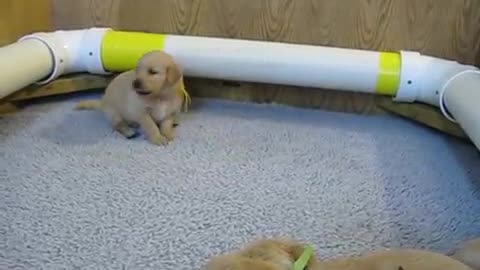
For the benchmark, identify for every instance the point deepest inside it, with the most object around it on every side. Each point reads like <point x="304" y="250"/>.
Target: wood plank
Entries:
<point x="197" y="87"/>
<point x="64" y="85"/>
<point x="7" y="108"/>
<point x="478" y="59"/>
<point x="293" y="96"/>
<point x="21" y="17"/>
<point x="423" y="114"/>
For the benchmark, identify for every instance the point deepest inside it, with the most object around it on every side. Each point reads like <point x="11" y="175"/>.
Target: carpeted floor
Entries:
<point x="75" y="195"/>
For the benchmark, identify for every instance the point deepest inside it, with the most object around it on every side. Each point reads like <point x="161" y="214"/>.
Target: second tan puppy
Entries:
<point x="151" y="96"/>
<point x="271" y="254"/>
<point x="265" y="254"/>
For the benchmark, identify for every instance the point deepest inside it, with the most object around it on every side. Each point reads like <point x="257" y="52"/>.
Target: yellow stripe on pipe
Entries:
<point x="121" y="50"/>
<point x="388" y="74"/>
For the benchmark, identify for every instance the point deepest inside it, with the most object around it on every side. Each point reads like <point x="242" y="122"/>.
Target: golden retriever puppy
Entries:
<point x="283" y="254"/>
<point x="265" y="254"/>
<point x="469" y="253"/>
<point x="151" y="96"/>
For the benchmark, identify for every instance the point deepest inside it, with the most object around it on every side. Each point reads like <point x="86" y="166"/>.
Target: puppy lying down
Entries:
<point x="280" y="254"/>
<point x="151" y="96"/>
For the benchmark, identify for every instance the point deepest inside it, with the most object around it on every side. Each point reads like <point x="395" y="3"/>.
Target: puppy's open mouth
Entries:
<point x="142" y="93"/>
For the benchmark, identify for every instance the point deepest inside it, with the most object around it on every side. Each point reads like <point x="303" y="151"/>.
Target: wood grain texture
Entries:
<point x="293" y="96"/>
<point x="244" y="92"/>
<point x="20" y="17"/>
<point x="423" y="114"/>
<point x="63" y="85"/>
<point x="444" y="28"/>
<point x="8" y="108"/>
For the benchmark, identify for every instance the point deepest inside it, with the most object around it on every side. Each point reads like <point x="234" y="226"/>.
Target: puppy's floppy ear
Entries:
<point x="173" y="73"/>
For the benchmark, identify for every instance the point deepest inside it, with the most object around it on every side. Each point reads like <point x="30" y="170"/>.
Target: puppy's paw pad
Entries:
<point x="132" y="135"/>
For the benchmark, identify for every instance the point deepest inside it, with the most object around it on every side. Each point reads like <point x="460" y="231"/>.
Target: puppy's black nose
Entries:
<point x="137" y="84"/>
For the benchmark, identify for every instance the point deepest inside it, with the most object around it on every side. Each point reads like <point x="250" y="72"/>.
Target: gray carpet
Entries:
<point x="75" y="195"/>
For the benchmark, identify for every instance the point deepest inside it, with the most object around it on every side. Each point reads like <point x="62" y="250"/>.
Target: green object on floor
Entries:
<point x="303" y="260"/>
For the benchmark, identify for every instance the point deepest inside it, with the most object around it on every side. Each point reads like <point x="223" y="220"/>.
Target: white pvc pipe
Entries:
<point x="277" y="63"/>
<point x="22" y="64"/>
<point x="462" y="100"/>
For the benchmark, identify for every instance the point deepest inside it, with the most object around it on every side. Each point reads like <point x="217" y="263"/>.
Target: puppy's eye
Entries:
<point x="152" y="71"/>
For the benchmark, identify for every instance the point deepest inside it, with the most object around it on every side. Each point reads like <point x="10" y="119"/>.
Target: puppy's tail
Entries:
<point x="89" y="105"/>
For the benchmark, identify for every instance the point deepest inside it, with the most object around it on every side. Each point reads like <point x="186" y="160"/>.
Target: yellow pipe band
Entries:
<point x="121" y="50"/>
<point x="388" y="78"/>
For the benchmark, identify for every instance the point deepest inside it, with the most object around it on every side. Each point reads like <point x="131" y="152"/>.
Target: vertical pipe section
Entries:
<point x="462" y="100"/>
<point x="22" y="64"/>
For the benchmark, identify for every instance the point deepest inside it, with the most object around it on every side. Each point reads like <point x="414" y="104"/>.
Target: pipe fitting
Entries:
<point x="446" y="86"/>
<point x="409" y="77"/>
<point x="90" y="51"/>
<point x="72" y="51"/>
<point x="424" y="77"/>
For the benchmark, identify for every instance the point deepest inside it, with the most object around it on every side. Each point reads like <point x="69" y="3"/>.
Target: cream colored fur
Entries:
<point x="151" y="96"/>
<point x="279" y="254"/>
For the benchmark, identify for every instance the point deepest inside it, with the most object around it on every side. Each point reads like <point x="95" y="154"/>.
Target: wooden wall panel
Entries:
<point x="444" y="28"/>
<point x="20" y="17"/>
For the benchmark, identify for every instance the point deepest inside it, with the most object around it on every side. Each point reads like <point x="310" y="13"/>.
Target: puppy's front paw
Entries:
<point x="159" y="140"/>
<point x="127" y="131"/>
<point x="132" y="135"/>
<point x="170" y="136"/>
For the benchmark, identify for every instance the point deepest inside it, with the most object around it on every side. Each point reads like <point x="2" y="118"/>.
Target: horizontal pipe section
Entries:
<point x="260" y="61"/>
<point x="277" y="63"/>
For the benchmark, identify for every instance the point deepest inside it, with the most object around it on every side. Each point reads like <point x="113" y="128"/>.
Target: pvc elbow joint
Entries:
<point x="425" y="79"/>
<point x="72" y="51"/>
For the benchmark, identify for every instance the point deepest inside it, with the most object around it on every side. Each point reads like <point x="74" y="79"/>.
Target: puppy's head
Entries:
<point x="155" y="74"/>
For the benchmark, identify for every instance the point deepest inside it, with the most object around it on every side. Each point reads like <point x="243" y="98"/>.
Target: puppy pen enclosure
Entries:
<point x="75" y="196"/>
<point x="365" y="46"/>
